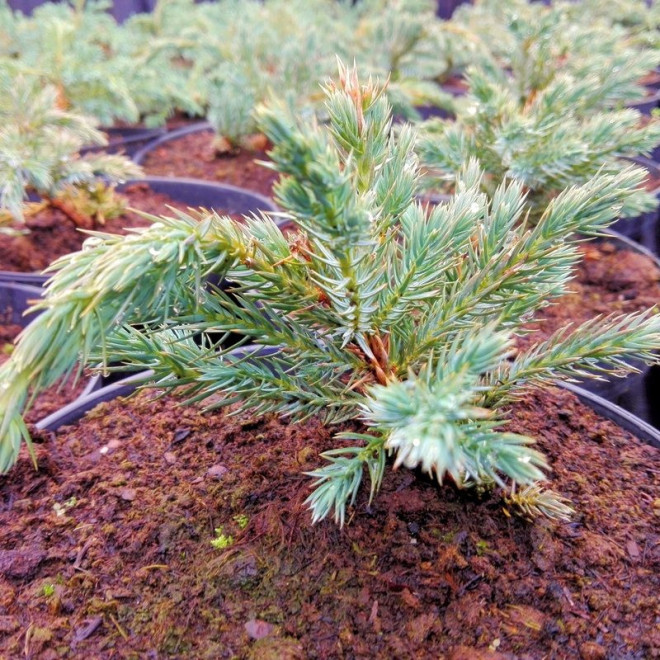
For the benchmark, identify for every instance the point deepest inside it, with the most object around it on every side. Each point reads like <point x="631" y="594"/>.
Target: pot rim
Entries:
<point x="198" y="127"/>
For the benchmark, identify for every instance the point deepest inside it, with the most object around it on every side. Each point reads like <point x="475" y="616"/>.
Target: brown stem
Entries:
<point x="78" y="218"/>
<point x="380" y="361"/>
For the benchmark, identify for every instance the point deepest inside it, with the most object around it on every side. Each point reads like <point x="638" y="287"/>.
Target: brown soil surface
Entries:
<point x="608" y="280"/>
<point x="192" y="156"/>
<point x="52" y="234"/>
<point x="106" y="550"/>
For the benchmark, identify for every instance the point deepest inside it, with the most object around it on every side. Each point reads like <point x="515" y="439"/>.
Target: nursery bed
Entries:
<point x="106" y="551"/>
<point x="192" y="156"/>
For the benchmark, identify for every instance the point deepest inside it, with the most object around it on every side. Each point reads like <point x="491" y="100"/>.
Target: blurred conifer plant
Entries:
<point x="39" y="153"/>
<point x="548" y="126"/>
<point x="378" y="309"/>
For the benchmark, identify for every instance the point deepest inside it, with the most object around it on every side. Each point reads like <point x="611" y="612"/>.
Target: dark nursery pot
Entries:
<point x="617" y="414"/>
<point x="140" y="155"/>
<point x="433" y="112"/>
<point x="192" y="192"/>
<point x="208" y="195"/>
<point x="644" y="228"/>
<point x="127" y="140"/>
<point x="652" y="80"/>
<point x="447" y="7"/>
<point x="647" y="104"/>
<point x="630" y="392"/>
<point x="15" y="299"/>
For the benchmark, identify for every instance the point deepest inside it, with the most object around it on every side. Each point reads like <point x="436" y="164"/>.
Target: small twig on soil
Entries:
<point x="151" y="567"/>
<point x="469" y="584"/>
<point x="82" y="634"/>
<point x="82" y="552"/>
<point x="121" y="631"/>
<point x="28" y="635"/>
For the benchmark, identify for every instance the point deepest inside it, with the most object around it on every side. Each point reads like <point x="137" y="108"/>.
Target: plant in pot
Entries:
<point x="100" y="69"/>
<point x="39" y="143"/>
<point x="70" y="47"/>
<point x="537" y="42"/>
<point x="288" y="47"/>
<point x="404" y="43"/>
<point x="379" y="309"/>
<point x="237" y="54"/>
<point x="547" y="140"/>
<point x="156" y="52"/>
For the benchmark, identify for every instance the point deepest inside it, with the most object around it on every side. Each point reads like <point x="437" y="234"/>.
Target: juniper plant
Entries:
<point x="288" y="46"/>
<point x="638" y="18"/>
<point x="535" y="43"/>
<point x="548" y="140"/>
<point x="39" y="146"/>
<point x="69" y="47"/>
<point x="403" y="41"/>
<point x="378" y="309"/>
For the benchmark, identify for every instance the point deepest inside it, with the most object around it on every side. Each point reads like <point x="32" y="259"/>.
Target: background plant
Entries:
<point x="536" y="43"/>
<point x="39" y="153"/>
<point x="402" y="41"/>
<point x="548" y="139"/>
<point x="68" y="47"/>
<point x="222" y="59"/>
<point x="378" y="309"/>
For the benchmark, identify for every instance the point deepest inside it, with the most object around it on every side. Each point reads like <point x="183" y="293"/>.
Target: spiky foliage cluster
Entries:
<point x="39" y="145"/>
<point x="544" y="105"/>
<point x="546" y="141"/>
<point x="536" y="42"/>
<point x="379" y="309"/>
<point x="68" y="47"/>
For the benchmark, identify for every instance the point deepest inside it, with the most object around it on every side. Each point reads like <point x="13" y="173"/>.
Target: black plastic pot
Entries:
<point x="447" y="7"/>
<point x="654" y="83"/>
<point x="643" y="229"/>
<point x="208" y="195"/>
<point x="192" y="192"/>
<point x="127" y="141"/>
<point x="647" y="104"/>
<point x="126" y="386"/>
<point x="15" y="299"/>
<point x="627" y="392"/>
<point x="617" y="414"/>
<point x="140" y="155"/>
